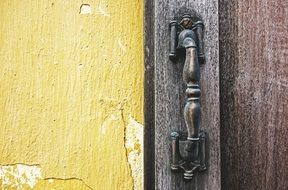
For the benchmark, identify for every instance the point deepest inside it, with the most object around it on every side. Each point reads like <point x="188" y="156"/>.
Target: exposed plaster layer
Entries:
<point x="68" y="81"/>
<point x="22" y="176"/>
<point x="19" y="176"/>
<point x="134" y="148"/>
<point x="85" y="9"/>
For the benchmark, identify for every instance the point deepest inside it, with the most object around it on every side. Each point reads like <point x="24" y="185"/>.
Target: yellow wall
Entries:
<point x="71" y="102"/>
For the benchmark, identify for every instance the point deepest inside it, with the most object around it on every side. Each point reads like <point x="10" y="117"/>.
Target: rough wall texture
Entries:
<point x="71" y="85"/>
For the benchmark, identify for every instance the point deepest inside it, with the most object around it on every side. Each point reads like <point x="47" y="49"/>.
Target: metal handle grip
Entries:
<point x="189" y="155"/>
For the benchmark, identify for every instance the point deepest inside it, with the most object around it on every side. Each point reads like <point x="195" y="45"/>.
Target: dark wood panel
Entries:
<point x="149" y="103"/>
<point x="170" y="100"/>
<point x="254" y="94"/>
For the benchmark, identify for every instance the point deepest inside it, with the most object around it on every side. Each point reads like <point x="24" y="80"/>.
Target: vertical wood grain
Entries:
<point x="254" y="89"/>
<point x="170" y="99"/>
<point x="149" y="96"/>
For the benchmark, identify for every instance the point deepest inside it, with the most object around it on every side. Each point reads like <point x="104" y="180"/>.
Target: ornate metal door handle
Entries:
<point x="188" y="155"/>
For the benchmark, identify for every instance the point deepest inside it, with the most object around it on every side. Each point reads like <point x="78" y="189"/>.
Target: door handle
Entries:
<point x="188" y="151"/>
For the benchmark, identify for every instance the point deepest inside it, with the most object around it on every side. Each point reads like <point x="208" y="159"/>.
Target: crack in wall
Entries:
<point x="67" y="179"/>
<point x="126" y="151"/>
<point x="23" y="176"/>
<point x="133" y="140"/>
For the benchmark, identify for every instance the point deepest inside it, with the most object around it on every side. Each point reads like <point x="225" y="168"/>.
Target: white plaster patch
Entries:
<point x="19" y="175"/>
<point x="123" y="48"/>
<point x="85" y="9"/>
<point x="103" y="11"/>
<point x="134" y="148"/>
<point x="50" y="180"/>
<point x="103" y="129"/>
<point x="80" y="66"/>
<point x="107" y="123"/>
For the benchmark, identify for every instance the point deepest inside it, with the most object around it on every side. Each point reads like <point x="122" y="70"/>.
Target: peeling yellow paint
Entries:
<point x="71" y="90"/>
<point x="134" y="148"/>
<point x="85" y="9"/>
<point x="21" y="176"/>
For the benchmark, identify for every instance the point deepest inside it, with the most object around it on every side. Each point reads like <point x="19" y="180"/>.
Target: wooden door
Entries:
<point x="169" y="88"/>
<point x="244" y="90"/>
<point x="254" y="94"/>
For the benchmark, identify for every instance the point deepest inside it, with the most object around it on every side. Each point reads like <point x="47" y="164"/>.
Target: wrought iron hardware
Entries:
<point x="188" y="155"/>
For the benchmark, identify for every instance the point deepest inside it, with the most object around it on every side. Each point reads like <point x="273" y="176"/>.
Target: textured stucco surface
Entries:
<point x="71" y="102"/>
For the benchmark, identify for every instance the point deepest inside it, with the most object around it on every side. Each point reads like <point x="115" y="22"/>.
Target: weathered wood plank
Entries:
<point x="254" y="88"/>
<point x="149" y="103"/>
<point x="170" y="99"/>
